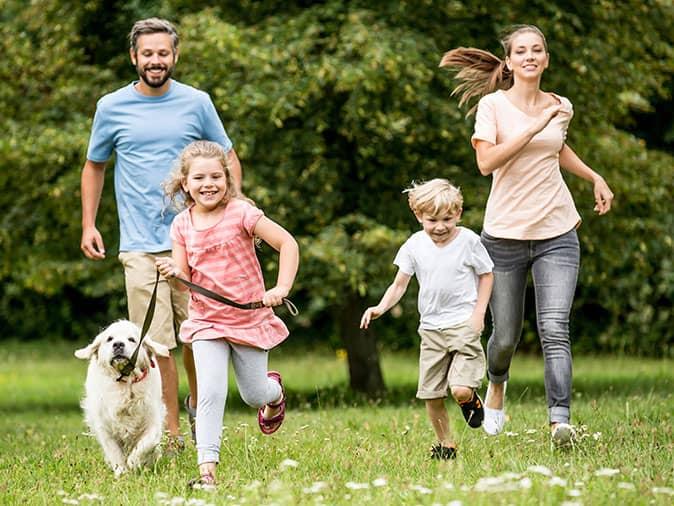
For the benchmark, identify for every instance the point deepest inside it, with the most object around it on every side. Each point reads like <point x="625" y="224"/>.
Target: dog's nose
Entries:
<point x="117" y="347"/>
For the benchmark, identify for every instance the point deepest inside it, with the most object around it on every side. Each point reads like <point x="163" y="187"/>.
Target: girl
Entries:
<point x="531" y="220"/>
<point x="213" y="246"/>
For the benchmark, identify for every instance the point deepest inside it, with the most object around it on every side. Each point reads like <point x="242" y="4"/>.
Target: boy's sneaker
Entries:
<point x="473" y="411"/>
<point x="191" y="417"/>
<point x="563" y="435"/>
<point x="439" y="452"/>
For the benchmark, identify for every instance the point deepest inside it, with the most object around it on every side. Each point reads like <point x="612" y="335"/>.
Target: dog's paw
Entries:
<point x="119" y="470"/>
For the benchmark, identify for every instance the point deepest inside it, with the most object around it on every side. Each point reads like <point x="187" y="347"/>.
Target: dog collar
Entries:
<point x="143" y="375"/>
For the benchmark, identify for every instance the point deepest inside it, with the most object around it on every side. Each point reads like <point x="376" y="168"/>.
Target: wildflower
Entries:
<point x="540" y="470"/>
<point x="605" y="471"/>
<point x="662" y="490"/>
<point x="356" y="486"/>
<point x="288" y="463"/>
<point x="557" y="481"/>
<point x="420" y="489"/>
<point x="379" y="482"/>
<point x="315" y="488"/>
<point x="626" y="486"/>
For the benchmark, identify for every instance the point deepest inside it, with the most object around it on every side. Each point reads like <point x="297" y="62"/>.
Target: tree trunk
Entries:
<point x="361" y="347"/>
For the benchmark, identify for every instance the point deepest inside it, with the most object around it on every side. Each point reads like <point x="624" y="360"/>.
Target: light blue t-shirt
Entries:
<point x="146" y="134"/>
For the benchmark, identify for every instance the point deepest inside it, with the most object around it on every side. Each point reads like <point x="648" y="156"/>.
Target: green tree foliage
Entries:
<point x="335" y="107"/>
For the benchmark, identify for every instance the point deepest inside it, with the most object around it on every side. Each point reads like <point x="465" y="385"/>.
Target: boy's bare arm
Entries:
<point x="391" y="296"/>
<point x="484" y="286"/>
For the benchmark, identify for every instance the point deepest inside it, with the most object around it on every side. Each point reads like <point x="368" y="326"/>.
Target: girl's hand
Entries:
<point x="166" y="266"/>
<point x="371" y="313"/>
<point x="274" y="296"/>
<point x="603" y="196"/>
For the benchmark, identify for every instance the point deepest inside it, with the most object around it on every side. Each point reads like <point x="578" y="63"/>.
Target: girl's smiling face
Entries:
<point x="528" y="57"/>
<point x="206" y="183"/>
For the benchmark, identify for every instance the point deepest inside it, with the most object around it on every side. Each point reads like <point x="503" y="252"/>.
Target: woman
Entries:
<point x="530" y="220"/>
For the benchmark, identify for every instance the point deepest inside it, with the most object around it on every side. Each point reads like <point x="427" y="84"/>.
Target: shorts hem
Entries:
<point x="427" y="395"/>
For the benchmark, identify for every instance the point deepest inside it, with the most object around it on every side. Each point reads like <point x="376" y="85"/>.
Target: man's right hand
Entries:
<point x="92" y="244"/>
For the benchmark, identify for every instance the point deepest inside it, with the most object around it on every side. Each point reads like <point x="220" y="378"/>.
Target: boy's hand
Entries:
<point x="476" y="322"/>
<point x="274" y="296"/>
<point x="371" y="313"/>
<point x="166" y="266"/>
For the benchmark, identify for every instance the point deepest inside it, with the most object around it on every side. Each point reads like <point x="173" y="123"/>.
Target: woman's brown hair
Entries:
<point x="480" y="72"/>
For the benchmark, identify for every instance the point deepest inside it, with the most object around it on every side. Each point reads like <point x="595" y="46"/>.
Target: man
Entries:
<point x="146" y="124"/>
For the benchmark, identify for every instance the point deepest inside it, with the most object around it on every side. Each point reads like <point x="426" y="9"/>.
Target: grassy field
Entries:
<point x="337" y="449"/>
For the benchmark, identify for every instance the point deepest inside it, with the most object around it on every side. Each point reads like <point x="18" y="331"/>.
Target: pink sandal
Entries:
<point x="271" y="425"/>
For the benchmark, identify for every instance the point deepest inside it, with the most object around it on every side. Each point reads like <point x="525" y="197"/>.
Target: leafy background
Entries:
<point x="334" y="108"/>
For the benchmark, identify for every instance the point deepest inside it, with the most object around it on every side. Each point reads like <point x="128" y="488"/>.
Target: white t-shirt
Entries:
<point x="447" y="275"/>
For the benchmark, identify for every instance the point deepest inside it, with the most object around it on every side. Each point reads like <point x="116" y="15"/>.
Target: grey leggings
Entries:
<point x="211" y="359"/>
<point x="554" y="266"/>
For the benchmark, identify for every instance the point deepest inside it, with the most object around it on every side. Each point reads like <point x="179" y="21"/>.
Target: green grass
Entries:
<point x="336" y="448"/>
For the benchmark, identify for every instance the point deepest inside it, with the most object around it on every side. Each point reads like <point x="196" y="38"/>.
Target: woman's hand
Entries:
<point x="275" y="296"/>
<point x="544" y="118"/>
<point x="603" y="196"/>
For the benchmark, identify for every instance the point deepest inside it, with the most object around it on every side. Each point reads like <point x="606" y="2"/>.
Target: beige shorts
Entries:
<point x="449" y="357"/>
<point x="171" y="309"/>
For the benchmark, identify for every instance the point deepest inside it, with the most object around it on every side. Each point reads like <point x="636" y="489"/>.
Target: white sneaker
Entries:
<point x="563" y="435"/>
<point x="494" y="421"/>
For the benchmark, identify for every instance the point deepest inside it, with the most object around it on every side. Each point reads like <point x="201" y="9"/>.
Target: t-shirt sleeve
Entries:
<point x="177" y="229"/>
<point x="250" y="215"/>
<point x="213" y="129"/>
<point x="101" y="140"/>
<point x="480" y="259"/>
<point x="404" y="260"/>
<point x="567" y="107"/>
<point x="485" y="122"/>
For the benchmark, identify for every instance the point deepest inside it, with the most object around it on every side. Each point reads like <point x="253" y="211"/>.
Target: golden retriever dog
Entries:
<point x="126" y="414"/>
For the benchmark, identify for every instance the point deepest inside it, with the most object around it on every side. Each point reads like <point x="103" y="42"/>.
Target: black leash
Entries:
<point x="149" y="314"/>
<point x="131" y="362"/>
<point x="292" y="309"/>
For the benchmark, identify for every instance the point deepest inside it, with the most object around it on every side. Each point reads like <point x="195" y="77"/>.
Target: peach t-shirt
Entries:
<point x="529" y="199"/>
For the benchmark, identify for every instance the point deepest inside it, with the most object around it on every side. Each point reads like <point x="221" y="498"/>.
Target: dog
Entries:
<point x="125" y="413"/>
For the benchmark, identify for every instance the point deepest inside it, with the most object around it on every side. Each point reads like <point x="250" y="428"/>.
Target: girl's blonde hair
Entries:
<point x="173" y="187"/>
<point x="434" y="197"/>
<point x="481" y="72"/>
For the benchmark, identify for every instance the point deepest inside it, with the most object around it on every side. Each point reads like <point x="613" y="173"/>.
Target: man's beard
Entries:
<point x="155" y="83"/>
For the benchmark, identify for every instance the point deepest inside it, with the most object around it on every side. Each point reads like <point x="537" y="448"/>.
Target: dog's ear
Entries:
<point x="156" y="348"/>
<point x="88" y="351"/>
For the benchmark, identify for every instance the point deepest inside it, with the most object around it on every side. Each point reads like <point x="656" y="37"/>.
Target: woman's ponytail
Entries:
<point x="479" y="72"/>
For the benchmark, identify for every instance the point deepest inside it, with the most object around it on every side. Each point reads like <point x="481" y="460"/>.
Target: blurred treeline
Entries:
<point x="334" y="108"/>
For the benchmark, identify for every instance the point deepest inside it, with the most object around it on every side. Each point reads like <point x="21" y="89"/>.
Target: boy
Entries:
<point x="455" y="281"/>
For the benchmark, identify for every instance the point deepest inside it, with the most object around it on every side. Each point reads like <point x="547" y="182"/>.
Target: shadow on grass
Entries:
<point x="342" y="396"/>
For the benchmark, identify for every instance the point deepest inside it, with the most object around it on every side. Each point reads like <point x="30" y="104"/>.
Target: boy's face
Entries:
<point x="441" y="228"/>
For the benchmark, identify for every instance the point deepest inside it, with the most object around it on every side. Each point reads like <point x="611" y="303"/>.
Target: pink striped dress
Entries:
<point x="222" y="258"/>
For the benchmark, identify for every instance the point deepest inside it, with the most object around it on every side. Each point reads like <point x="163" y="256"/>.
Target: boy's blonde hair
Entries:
<point x="434" y="197"/>
<point x="173" y="187"/>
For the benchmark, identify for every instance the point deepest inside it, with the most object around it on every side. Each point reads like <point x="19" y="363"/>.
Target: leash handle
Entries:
<point x="149" y="314"/>
<point x="292" y="309"/>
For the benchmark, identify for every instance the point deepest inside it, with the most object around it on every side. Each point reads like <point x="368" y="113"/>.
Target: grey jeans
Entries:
<point x="211" y="358"/>
<point x="554" y="267"/>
